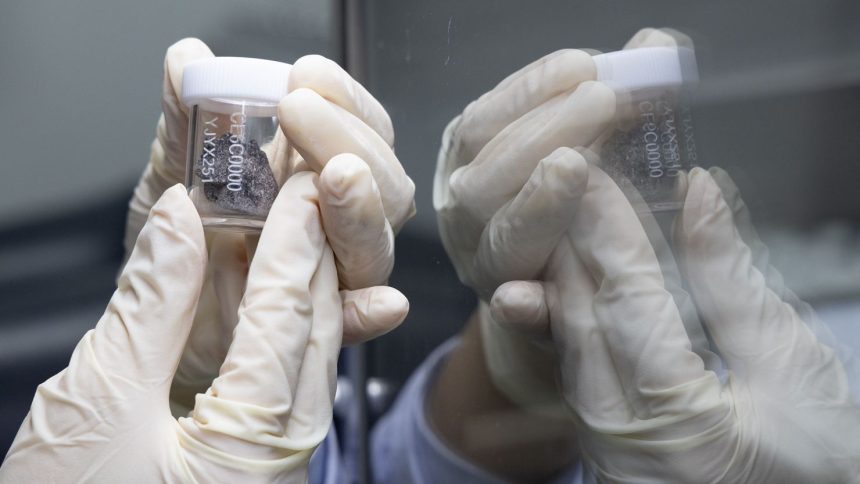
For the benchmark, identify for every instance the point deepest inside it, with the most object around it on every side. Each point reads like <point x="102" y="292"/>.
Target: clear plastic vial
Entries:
<point x="233" y="103"/>
<point x="652" y="144"/>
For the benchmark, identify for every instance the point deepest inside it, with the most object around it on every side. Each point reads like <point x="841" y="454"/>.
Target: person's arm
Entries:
<point x="483" y="425"/>
<point x="406" y="446"/>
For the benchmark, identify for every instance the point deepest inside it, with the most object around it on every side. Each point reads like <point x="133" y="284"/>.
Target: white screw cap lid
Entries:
<point x="648" y="67"/>
<point x="235" y="78"/>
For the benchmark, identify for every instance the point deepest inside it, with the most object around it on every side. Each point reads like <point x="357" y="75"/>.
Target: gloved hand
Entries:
<point x="497" y="244"/>
<point x="358" y="231"/>
<point x="106" y="418"/>
<point x="647" y="408"/>
<point x="633" y="366"/>
<point x="505" y="183"/>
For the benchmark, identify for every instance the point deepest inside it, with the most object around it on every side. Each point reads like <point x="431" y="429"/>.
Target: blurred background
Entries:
<point x="778" y="107"/>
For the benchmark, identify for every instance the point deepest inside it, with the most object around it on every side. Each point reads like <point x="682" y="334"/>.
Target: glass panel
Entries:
<point x="770" y="110"/>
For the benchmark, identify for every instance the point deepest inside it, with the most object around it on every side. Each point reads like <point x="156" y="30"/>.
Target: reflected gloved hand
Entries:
<point x="106" y="417"/>
<point x="500" y="245"/>
<point x="508" y="173"/>
<point x="648" y="410"/>
<point x="349" y="201"/>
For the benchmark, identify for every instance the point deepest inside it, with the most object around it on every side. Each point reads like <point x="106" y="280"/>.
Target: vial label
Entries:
<point x="652" y="150"/>
<point x="207" y="161"/>
<point x="659" y="138"/>
<point x="237" y="152"/>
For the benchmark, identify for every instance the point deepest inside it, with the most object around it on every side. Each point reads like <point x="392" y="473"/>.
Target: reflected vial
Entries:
<point x="652" y="144"/>
<point x="233" y="104"/>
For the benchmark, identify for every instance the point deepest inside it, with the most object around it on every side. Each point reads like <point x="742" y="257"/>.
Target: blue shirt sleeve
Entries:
<point x="326" y="466"/>
<point x="405" y="449"/>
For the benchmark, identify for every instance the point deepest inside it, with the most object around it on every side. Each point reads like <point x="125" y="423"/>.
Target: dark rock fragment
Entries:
<point x="257" y="188"/>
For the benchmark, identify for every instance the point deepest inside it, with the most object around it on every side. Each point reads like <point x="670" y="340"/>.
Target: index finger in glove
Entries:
<point x="330" y="81"/>
<point x="506" y="162"/>
<point x="520" y="237"/>
<point x="519" y="93"/>
<point x="320" y="130"/>
<point x="645" y="334"/>
<point x="291" y="288"/>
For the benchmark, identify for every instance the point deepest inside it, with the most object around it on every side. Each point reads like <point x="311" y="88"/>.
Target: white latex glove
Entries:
<point x="505" y="183"/>
<point x="344" y="134"/>
<point x="106" y="417"/>
<point x="648" y="409"/>
<point x="349" y="201"/>
<point x="632" y="349"/>
<point x="530" y="113"/>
